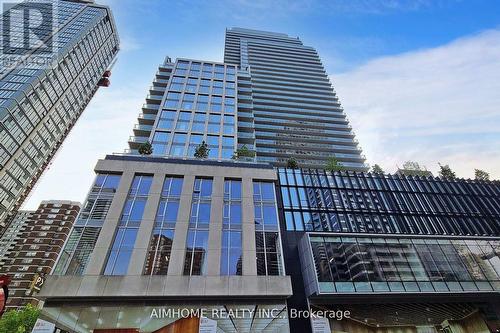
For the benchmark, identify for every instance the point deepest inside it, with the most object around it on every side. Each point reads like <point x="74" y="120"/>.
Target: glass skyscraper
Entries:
<point x="293" y="108"/>
<point x="271" y="95"/>
<point x="45" y="87"/>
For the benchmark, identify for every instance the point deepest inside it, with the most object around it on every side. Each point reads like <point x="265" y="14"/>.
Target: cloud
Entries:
<point x="433" y="105"/>
<point x="128" y="43"/>
<point x="263" y="8"/>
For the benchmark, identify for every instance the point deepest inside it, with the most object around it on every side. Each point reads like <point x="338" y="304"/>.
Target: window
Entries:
<point x="207" y="70"/>
<point x="176" y="86"/>
<point x="173" y="99"/>
<point x="267" y="238"/>
<point x="124" y="240"/>
<point x="217" y="88"/>
<point x="183" y="121"/>
<point x="160" y="246"/>
<point x="227" y="147"/>
<point x="228" y="125"/>
<point x="178" y="144"/>
<point x="216" y="104"/>
<point x="166" y="120"/>
<point x="230" y="91"/>
<point x="195" y="69"/>
<point x="188" y="102"/>
<point x="204" y="86"/>
<point x="199" y="122"/>
<point x="229" y="109"/>
<point x="194" y="142"/>
<point x="219" y="72"/>
<point x="197" y="238"/>
<point x="177" y="83"/>
<point x="180" y="71"/>
<point x="182" y="64"/>
<point x="409" y="265"/>
<point x="202" y="103"/>
<point x="231" y="253"/>
<point x="214" y="123"/>
<point x="213" y="145"/>
<point x="160" y="140"/>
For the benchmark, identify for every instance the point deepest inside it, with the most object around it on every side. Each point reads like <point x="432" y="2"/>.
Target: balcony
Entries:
<point x="142" y="130"/>
<point x="245" y="106"/>
<point x="243" y="135"/>
<point x="157" y="90"/>
<point x="160" y="82"/>
<point x="135" y="141"/>
<point x="150" y="108"/>
<point x="244" y="114"/>
<point x="154" y="99"/>
<point x="146" y="119"/>
<point x="242" y="90"/>
<point x="163" y="74"/>
<point x="246" y="138"/>
<point x="247" y="125"/>
<point x="247" y="98"/>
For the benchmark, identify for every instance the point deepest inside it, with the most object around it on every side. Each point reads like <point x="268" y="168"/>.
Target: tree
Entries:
<point x="243" y="152"/>
<point x="377" y="169"/>
<point x="446" y="172"/>
<point x="292" y="163"/>
<point x="19" y="321"/>
<point x="202" y="150"/>
<point x="146" y="149"/>
<point x="333" y="164"/>
<point x="481" y="174"/>
<point x="411" y="168"/>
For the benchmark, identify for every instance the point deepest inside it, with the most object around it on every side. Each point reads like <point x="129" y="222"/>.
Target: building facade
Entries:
<point x="165" y="232"/>
<point x="198" y="105"/>
<point x="171" y="235"/>
<point x="13" y="233"/>
<point x="37" y="248"/>
<point x="416" y="254"/>
<point x="290" y="101"/>
<point x="45" y="88"/>
<point x="268" y="94"/>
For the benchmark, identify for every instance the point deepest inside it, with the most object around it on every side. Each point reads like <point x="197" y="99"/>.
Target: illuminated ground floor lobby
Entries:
<point x="167" y="317"/>
<point x="450" y="314"/>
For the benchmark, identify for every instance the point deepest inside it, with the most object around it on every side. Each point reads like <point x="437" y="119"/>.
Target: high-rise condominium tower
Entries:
<point x="271" y="96"/>
<point x="35" y="250"/>
<point x="296" y="113"/>
<point x="45" y="86"/>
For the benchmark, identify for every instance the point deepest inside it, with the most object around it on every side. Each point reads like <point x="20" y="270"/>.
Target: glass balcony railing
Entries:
<point x="243" y="135"/>
<point x="151" y="107"/>
<point x="245" y="124"/>
<point x="245" y="114"/>
<point x="141" y="127"/>
<point x="138" y="139"/>
<point x="147" y="116"/>
<point x="244" y="106"/>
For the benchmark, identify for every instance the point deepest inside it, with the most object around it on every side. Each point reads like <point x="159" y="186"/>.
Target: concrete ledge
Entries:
<point x="145" y="286"/>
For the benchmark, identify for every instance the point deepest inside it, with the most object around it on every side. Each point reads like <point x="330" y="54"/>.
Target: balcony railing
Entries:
<point x="138" y="139"/>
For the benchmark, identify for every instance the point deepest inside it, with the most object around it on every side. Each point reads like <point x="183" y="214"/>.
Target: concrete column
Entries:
<point x="248" y="228"/>
<point x="98" y="257"/>
<point x="176" y="265"/>
<point x="215" y="227"/>
<point x="137" y="260"/>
